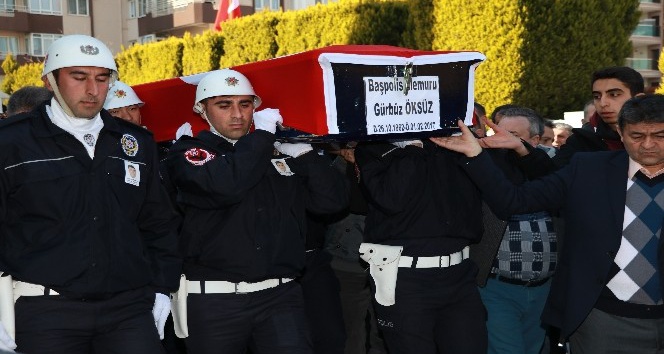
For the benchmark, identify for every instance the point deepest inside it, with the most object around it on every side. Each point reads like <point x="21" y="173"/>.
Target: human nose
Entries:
<point x="648" y="142"/>
<point x="92" y="87"/>
<point x="235" y="111"/>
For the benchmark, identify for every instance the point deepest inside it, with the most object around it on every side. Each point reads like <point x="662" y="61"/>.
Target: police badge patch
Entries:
<point x="129" y="145"/>
<point x="198" y="156"/>
<point x="89" y="49"/>
<point x="120" y="94"/>
<point x="89" y="139"/>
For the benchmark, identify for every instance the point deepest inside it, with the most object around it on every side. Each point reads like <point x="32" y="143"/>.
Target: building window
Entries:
<point x="7" y="5"/>
<point x="266" y="4"/>
<point x="160" y="6"/>
<point x="49" y="7"/>
<point x="301" y="4"/>
<point x="78" y="7"/>
<point x="138" y="8"/>
<point x="147" y="39"/>
<point x="8" y="45"/>
<point x="39" y="43"/>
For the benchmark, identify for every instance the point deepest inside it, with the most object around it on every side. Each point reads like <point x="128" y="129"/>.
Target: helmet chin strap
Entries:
<point x="58" y="96"/>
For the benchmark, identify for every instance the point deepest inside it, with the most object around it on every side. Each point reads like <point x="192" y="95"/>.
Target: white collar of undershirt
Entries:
<point x="84" y="130"/>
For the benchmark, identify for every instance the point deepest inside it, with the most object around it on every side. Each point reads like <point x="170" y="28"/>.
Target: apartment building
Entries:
<point x="28" y="27"/>
<point x="647" y="42"/>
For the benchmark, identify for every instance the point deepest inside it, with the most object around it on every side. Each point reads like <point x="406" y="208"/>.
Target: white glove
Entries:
<point x="267" y="120"/>
<point x="160" y="311"/>
<point x="403" y="143"/>
<point x="6" y="341"/>
<point x="184" y="129"/>
<point x="293" y="150"/>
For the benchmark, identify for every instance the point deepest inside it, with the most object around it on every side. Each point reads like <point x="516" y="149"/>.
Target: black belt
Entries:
<point x="528" y="284"/>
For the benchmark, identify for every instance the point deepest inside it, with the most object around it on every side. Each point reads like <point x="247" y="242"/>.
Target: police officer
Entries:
<point x="423" y="214"/>
<point x="122" y="102"/>
<point x="243" y="232"/>
<point x="92" y="248"/>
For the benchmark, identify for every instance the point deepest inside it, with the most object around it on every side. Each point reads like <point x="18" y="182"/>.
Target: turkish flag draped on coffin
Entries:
<point x="346" y="92"/>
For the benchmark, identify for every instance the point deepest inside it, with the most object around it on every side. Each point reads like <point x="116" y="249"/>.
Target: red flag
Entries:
<point x="228" y="9"/>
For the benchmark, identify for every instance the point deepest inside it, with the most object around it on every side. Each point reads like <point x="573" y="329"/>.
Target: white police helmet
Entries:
<point x="224" y="82"/>
<point x="79" y="50"/>
<point x="121" y="95"/>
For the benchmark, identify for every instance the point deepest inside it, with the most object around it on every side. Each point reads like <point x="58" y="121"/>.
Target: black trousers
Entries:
<point x="359" y="317"/>
<point x="436" y="311"/>
<point x="122" y="324"/>
<point x="323" y="304"/>
<point x="268" y="321"/>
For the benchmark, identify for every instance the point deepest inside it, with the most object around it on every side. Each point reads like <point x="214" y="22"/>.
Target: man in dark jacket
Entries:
<point x="87" y="232"/>
<point x="520" y="259"/>
<point x="611" y="87"/>
<point x="607" y="292"/>
<point x="244" y="206"/>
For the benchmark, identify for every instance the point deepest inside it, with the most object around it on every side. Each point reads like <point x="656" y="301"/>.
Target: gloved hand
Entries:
<point x="403" y="143"/>
<point x="160" y="311"/>
<point x="267" y="120"/>
<point x="184" y="129"/>
<point x="6" y="342"/>
<point x="293" y="150"/>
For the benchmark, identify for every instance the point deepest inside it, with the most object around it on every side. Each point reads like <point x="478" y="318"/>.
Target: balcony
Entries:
<point x="647" y="6"/>
<point x="179" y="17"/>
<point x="646" y="34"/>
<point x="641" y="63"/>
<point x="646" y="30"/>
<point x="11" y="9"/>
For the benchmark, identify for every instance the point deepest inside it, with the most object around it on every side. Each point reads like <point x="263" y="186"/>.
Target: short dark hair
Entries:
<point x="500" y="109"/>
<point x="548" y="123"/>
<point x="628" y="76"/>
<point x="480" y="109"/>
<point x="642" y="109"/>
<point x="27" y="98"/>
<point x="536" y="122"/>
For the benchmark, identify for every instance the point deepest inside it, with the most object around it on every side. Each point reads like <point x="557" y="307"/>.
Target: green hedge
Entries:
<point x="249" y="38"/>
<point x="346" y="22"/>
<point x="419" y="22"/>
<point x="539" y="53"/>
<point x="19" y="76"/>
<point x="9" y="66"/>
<point x="151" y="61"/>
<point x="201" y="53"/>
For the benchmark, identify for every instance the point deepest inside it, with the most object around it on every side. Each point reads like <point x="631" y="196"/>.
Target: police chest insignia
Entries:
<point x="198" y="156"/>
<point x="89" y="139"/>
<point x="89" y="50"/>
<point x="129" y="145"/>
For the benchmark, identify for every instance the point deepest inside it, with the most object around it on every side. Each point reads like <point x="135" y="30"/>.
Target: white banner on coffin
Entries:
<point x="327" y="59"/>
<point x="390" y="110"/>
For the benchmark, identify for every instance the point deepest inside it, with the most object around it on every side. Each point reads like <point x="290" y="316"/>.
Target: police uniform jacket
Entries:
<point x="418" y="198"/>
<point x="74" y="224"/>
<point x="243" y="219"/>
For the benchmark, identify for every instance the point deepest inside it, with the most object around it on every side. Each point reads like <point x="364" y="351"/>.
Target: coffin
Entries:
<point x="339" y="93"/>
